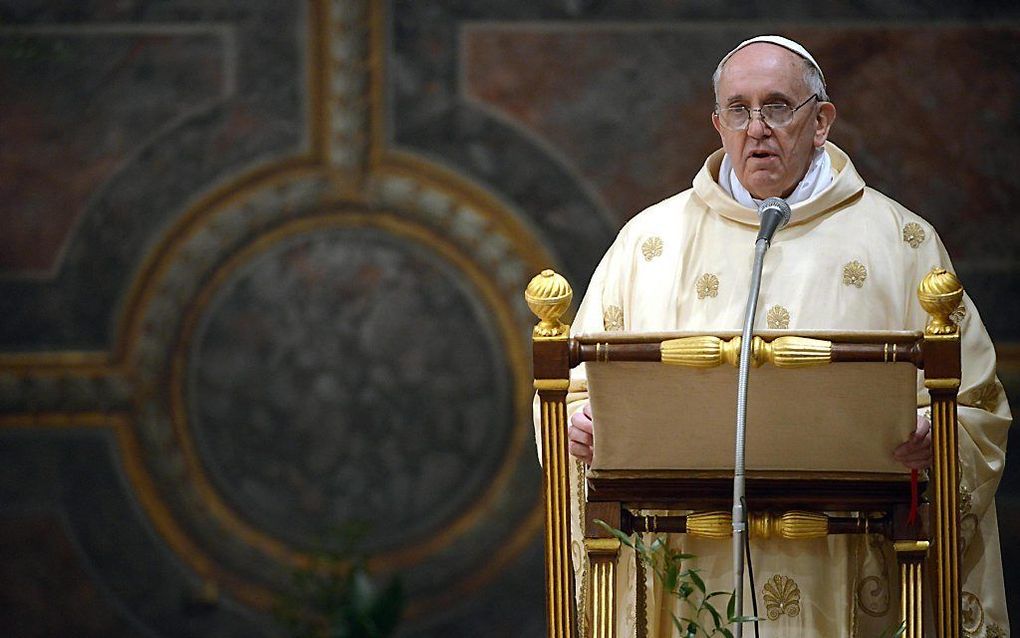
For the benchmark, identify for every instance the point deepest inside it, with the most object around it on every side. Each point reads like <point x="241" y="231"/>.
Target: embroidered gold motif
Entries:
<point x="913" y="234"/>
<point x="873" y="596"/>
<point x="968" y="525"/>
<point x="778" y="318"/>
<point x="652" y="248"/>
<point x="854" y="274"/>
<point x="972" y="614"/>
<point x="641" y="588"/>
<point x="583" y="604"/>
<point x="708" y="286"/>
<point x="873" y="593"/>
<point x="781" y="596"/>
<point x="985" y="397"/>
<point x="958" y="314"/>
<point x="994" y="630"/>
<point x="966" y="500"/>
<point x="612" y="318"/>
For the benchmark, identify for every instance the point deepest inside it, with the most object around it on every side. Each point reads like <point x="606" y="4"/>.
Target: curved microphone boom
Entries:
<point x="774" y="213"/>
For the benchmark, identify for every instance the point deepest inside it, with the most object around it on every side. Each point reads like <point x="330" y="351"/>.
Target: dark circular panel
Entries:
<point x="348" y="375"/>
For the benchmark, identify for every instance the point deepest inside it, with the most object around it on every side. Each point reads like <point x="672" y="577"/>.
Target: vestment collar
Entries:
<point x="845" y="187"/>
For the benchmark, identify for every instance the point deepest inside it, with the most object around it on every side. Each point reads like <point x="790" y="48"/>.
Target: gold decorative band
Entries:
<point x="602" y="545"/>
<point x="942" y="384"/>
<point x="554" y="385"/>
<point x="911" y="546"/>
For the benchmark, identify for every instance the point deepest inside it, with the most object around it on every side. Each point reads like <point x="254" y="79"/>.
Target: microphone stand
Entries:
<point x="739" y="510"/>
<point x="774" y="213"/>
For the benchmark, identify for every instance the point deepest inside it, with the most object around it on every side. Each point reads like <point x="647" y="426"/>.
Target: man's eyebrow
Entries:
<point x="771" y="98"/>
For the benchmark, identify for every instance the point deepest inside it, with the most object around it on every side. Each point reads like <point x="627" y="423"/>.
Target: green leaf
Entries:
<point x="731" y="607"/>
<point x="700" y="584"/>
<point x="669" y="580"/>
<point x="624" y="538"/>
<point x="716" y="618"/>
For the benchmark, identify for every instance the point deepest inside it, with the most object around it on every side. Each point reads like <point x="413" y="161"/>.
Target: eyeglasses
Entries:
<point x="737" y="118"/>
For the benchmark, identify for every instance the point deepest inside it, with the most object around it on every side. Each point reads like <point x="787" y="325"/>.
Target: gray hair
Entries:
<point x="812" y="78"/>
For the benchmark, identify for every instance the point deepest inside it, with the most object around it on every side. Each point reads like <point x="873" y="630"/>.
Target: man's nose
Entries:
<point x="757" y="128"/>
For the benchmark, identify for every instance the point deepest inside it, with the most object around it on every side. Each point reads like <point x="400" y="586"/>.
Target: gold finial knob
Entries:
<point x="940" y="293"/>
<point x="549" y="295"/>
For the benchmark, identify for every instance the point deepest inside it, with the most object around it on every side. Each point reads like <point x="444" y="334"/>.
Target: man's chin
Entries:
<point x="760" y="189"/>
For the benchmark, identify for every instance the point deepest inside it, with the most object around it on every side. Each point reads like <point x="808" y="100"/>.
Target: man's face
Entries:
<point x="771" y="162"/>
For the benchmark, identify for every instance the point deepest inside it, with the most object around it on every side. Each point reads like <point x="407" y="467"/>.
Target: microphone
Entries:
<point x="774" y="213"/>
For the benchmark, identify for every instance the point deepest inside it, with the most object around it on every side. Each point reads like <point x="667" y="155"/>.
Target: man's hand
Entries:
<point x="581" y="434"/>
<point x="915" y="452"/>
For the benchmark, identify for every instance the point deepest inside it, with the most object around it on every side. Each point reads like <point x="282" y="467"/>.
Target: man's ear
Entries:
<point x="715" y="123"/>
<point x="823" y="122"/>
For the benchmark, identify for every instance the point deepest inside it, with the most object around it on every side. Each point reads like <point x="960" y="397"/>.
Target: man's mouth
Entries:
<point x="762" y="154"/>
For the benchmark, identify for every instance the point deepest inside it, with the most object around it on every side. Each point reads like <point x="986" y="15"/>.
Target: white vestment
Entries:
<point x="850" y="259"/>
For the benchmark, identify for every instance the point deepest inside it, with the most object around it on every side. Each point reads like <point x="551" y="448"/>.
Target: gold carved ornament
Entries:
<point x="793" y="525"/>
<point x="651" y="248"/>
<point x="783" y="352"/>
<point x="782" y="596"/>
<point x="940" y="293"/>
<point x="549" y="295"/>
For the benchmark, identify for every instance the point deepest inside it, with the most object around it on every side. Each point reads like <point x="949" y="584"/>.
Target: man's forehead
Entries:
<point x="763" y="56"/>
<point x="760" y="68"/>
<point x="780" y="41"/>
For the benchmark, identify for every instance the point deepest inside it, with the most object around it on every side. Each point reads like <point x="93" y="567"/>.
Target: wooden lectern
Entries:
<point x="786" y="503"/>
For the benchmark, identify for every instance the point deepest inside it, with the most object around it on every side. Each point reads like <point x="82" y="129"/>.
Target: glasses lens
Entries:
<point x="734" y="118"/>
<point x="776" y="115"/>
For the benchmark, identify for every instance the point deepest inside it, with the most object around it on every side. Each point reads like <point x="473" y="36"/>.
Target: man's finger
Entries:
<point x="578" y="435"/>
<point x="587" y="409"/>
<point x="580" y="451"/>
<point x="581" y="421"/>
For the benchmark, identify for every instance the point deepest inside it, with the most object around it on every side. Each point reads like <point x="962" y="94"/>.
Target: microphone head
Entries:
<point x="779" y="205"/>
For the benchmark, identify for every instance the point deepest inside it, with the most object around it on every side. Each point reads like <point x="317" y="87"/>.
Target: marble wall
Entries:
<point x="261" y="268"/>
